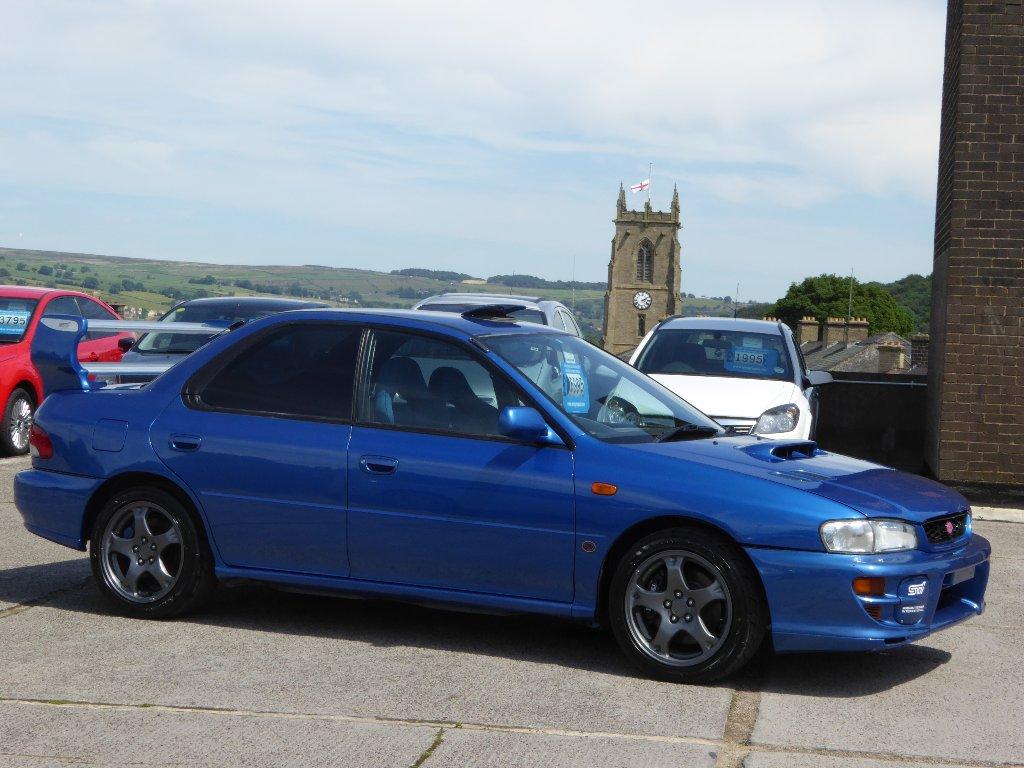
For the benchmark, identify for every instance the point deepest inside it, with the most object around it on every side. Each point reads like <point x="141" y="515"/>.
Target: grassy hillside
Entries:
<point x="157" y="285"/>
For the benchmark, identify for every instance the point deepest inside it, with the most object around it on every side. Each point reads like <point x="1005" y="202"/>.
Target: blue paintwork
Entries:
<point x="493" y="523"/>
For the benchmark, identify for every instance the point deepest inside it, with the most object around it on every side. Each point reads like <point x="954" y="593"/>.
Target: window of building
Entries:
<point x="303" y="370"/>
<point x="645" y="262"/>
<point x="423" y="383"/>
<point x="641" y="325"/>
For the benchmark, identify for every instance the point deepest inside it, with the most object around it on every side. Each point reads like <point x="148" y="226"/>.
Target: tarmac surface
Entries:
<point x="265" y="678"/>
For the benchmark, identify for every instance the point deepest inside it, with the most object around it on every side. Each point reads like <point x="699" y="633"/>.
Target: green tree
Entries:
<point x="828" y="296"/>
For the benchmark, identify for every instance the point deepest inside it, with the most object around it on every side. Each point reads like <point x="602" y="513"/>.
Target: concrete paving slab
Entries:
<point x="789" y="760"/>
<point x="260" y="649"/>
<point x="957" y="695"/>
<point x="40" y="734"/>
<point x="483" y="749"/>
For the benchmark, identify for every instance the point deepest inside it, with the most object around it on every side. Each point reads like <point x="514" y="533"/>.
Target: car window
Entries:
<point x="600" y="393"/>
<point x="424" y="383"/>
<point x="62" y="305"/>
<point x="91" y="310"/>
<point x="570" y="322"/>
<point x="15" y="315"/>
<point x="708" y="352"/>
<point x="220" y="313"/>
<point x="303" y="370"/>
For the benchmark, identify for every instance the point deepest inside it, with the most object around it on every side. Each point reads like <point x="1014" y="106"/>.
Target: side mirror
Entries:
<point x="527" y="425"/>
<point x="817" y="378"/>
<point x="125" y="343"/>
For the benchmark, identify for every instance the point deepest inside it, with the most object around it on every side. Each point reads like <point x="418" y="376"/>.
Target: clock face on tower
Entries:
<point x="642" y="300"/>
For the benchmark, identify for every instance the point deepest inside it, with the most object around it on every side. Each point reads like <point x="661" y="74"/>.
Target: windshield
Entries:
<point x="704" y="352"/>
<point x="603" y="395"/>
<point x="183" y="343"/>
<point x="526" y="315"/>
<point x="14" y="318"/>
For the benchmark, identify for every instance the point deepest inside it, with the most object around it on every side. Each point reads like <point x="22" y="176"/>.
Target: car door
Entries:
<point x="437" y="497"/>
<point x="260" y="437"/>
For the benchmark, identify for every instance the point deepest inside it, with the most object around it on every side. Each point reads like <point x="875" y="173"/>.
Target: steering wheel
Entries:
<point x="619" y="411"/>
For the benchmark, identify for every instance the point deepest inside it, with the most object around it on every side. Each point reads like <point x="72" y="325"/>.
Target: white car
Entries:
<point x="746" y="374"/>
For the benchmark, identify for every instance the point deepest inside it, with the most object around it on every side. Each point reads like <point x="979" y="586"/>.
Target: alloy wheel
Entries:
<point x="21" y="423"/>
<point x="141" y="552"/>
<point x="678" y="608"/>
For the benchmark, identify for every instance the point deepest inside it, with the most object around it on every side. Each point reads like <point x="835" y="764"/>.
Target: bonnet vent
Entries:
<point x="783" y="450"/>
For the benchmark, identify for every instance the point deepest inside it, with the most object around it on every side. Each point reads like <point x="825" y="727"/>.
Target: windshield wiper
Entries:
<point x="686" y="432"/>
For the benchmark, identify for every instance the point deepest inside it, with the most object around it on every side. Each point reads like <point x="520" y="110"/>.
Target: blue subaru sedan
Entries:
<point x="478" y="462"/>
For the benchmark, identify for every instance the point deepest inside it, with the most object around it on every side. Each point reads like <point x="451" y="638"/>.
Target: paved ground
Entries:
<point x="265" y="678"/>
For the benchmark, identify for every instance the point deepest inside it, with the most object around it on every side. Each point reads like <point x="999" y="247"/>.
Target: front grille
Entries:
<point x="742" y="429"/>
<point x="946" y="528"/>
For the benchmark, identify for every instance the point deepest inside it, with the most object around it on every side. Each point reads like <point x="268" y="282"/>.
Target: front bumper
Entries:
<point x="53" y="504"/>
<point x="813" y="606"/>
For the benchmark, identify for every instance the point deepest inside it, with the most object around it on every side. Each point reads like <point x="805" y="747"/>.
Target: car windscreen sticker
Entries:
<point x="13" y="322"/>
<point x="760" y="362"/>
<point x="575" y="390"/>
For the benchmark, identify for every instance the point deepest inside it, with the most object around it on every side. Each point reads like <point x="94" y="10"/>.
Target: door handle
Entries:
<point x="378" y="465"/>
<point x="186" y="442"/>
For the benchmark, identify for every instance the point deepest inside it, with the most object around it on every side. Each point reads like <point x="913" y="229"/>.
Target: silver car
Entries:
<point x="535" y="308"/>
<point x="221" y="311"/>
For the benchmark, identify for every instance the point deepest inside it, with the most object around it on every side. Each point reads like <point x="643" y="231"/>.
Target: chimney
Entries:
<point x="892" y="358"/>
<point x="857" y="330"/>
<point x="835" y="330"/>
<point x="808" y="329"/>
<point x="919" y="349"/>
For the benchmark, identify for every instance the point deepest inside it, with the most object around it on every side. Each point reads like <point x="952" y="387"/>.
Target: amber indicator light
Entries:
<point x="604" y="489"/>
<point x="869" y="586"/>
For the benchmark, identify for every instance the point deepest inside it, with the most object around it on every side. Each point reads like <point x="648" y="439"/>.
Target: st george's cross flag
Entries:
<point x="641" y="186"/>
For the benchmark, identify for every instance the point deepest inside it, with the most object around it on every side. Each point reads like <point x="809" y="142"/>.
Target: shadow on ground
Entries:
<point x="524" y="638"/>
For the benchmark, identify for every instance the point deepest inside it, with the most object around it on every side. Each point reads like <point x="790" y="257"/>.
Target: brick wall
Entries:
<point x="976" y="365"/>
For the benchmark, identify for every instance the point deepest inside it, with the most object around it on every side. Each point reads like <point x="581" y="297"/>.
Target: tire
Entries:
<point x="701" y="624"/>
<point x="154" y="569"/>
<point x="17" y="420"/>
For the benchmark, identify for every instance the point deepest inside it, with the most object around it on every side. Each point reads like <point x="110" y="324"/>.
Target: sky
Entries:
<point x="481" y="137"/>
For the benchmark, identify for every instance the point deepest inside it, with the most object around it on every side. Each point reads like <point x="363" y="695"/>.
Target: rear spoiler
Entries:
<point x="55" y="350"/>
<point x="492" y="311"/>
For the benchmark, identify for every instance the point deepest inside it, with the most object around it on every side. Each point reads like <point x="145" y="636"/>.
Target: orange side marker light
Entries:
<point x="604" y="489"/>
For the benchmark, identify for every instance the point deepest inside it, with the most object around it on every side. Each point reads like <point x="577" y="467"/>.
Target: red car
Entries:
<point x="21" y="389"/>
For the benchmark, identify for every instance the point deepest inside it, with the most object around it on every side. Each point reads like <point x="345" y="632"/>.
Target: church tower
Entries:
<point x="644" y="275"/>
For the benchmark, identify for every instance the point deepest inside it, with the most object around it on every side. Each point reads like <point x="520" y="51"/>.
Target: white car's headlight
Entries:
<point x="781" y="418"/>
<point x="859" y="537"/>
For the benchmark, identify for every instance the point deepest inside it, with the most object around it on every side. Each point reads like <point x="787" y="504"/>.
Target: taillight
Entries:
<point x="39" y="443"/>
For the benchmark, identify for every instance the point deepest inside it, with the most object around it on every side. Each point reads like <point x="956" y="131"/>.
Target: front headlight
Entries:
<point x="781" y="418"/>
<point x="860" y="537"/>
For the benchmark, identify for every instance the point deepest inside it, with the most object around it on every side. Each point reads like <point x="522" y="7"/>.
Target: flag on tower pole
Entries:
<point x="641" y="186"/>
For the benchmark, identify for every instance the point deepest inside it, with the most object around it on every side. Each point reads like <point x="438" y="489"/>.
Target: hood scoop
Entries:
<point x="775" y="451"/>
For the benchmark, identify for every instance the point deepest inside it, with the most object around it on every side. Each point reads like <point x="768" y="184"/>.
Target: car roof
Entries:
<point x="26" y="291"/>
<point x="481" y="299"/>
<point x="258" y="301"/>
<point x="740" y="324"/>
<point x="422" y="318"/>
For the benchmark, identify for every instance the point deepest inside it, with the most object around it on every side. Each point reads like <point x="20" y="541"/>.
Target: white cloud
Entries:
<point x="301" y="107"/>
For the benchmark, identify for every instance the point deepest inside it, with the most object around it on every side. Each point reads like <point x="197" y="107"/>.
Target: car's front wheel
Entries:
<point x="686" y="605"/>
<point x="17" y="423"/>
<point x="148" y="556"/>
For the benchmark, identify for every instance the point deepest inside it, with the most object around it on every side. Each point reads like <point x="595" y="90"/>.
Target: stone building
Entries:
<point x="644" y="274"/>
<point x="976" y="368"/>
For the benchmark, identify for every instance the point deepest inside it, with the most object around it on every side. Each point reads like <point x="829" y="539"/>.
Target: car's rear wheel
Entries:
<point x="17" y="423"/>
<point x="148" y="556"/>
<point x="686" y="605"/>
